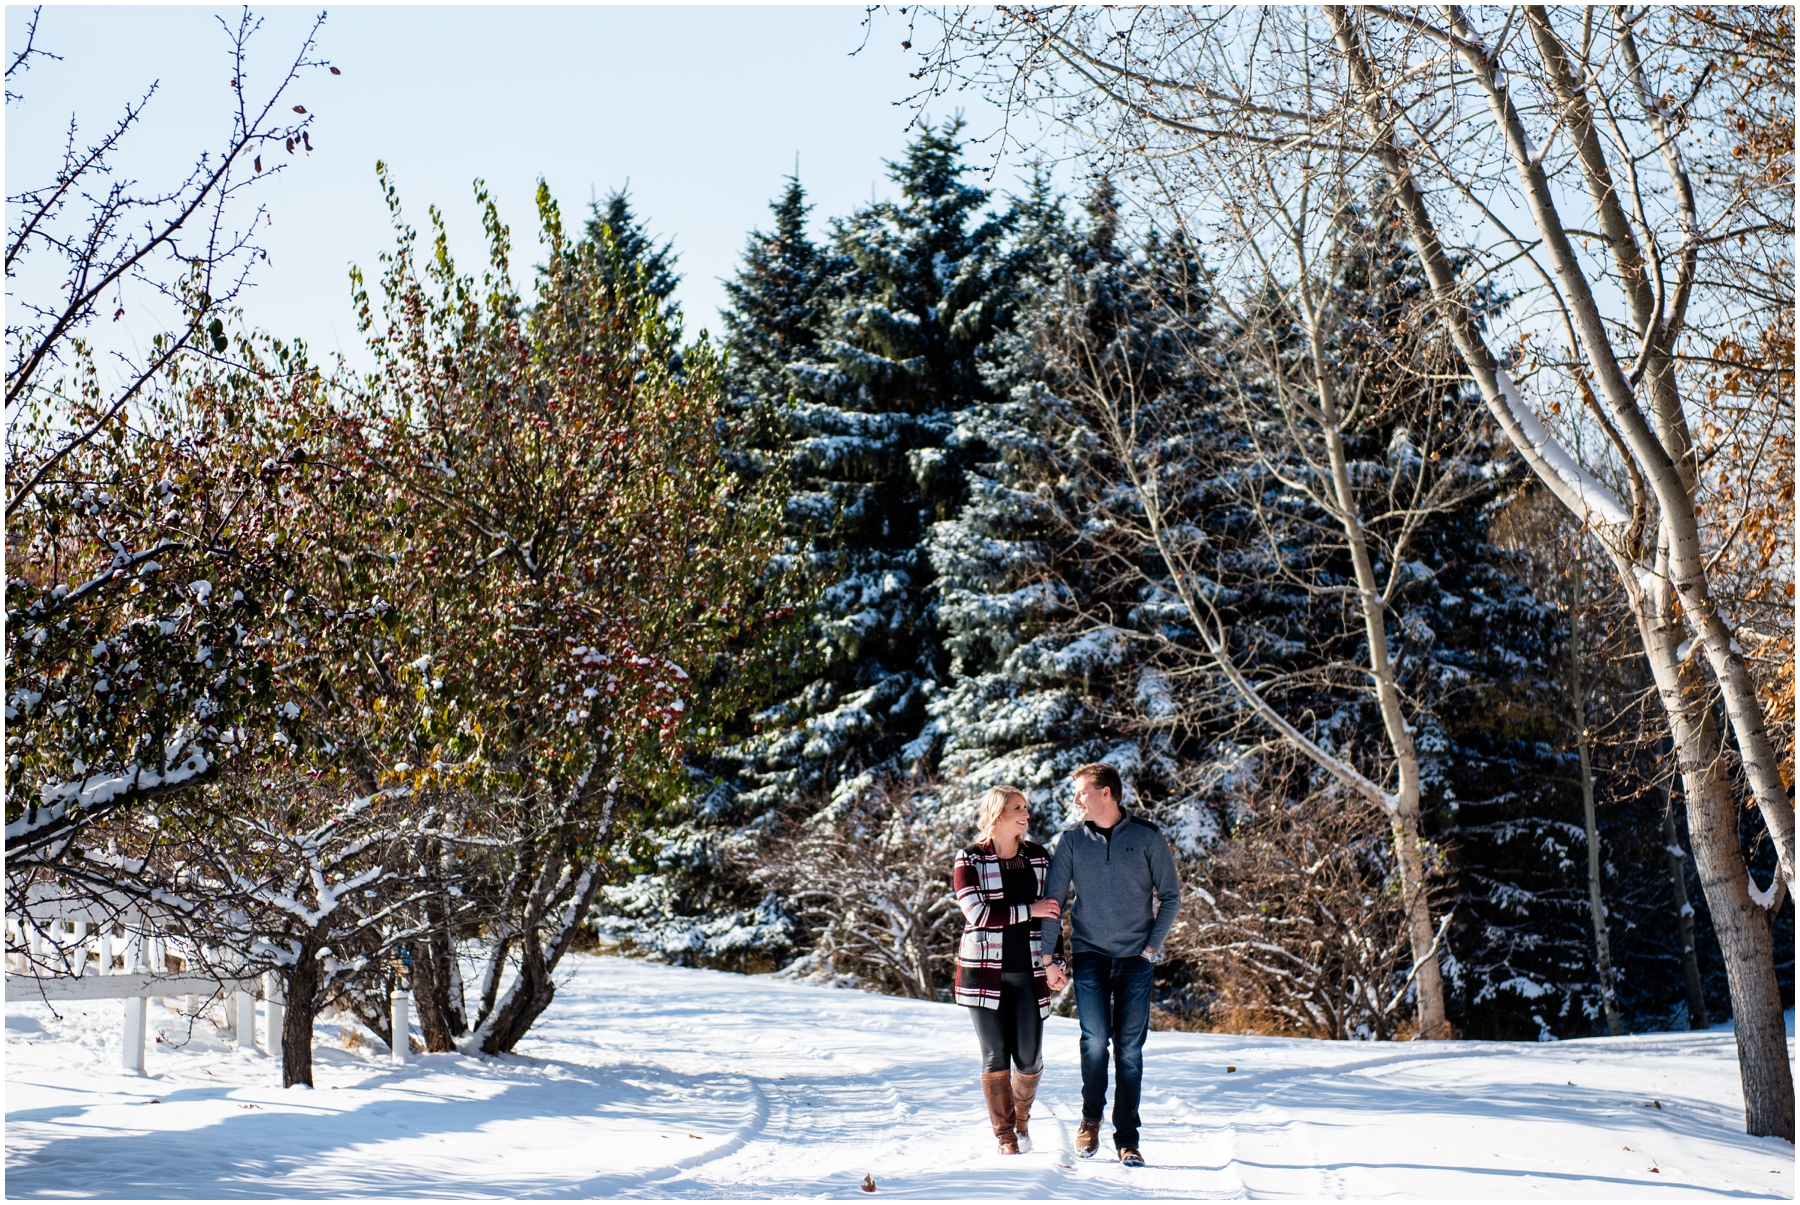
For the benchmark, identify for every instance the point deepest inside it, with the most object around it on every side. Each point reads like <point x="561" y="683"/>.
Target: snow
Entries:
<point x="1599" y="504"/>
<point x="650" y="1080"/>
<point x="100" y="789"/>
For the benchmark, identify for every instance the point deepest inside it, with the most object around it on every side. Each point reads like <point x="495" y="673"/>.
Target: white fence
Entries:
<point x="94" y="950"/>
<point x="109" y="950"/>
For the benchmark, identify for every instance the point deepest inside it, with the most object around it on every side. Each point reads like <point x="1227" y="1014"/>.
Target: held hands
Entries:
<point x="1054" y="975"/>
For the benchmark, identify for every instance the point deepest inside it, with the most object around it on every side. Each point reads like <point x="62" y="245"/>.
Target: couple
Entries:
<point x="1012" y="893"/>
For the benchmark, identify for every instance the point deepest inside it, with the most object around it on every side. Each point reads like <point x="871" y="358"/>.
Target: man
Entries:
<point x="1126" y="898"/>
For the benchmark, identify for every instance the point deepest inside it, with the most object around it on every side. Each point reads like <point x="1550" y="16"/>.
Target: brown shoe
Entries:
<point x="1130" y="1156"/>
<point x="1087" y="1138"/>
<point x="1024" y="1090"/>
<point x="996" y="1086"/>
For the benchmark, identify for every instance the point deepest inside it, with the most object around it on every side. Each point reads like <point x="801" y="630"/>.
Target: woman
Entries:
<point x="1000" y="968"/>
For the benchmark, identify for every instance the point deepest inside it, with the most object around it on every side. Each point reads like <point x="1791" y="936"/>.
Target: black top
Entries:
<point x="1020" y="882"/>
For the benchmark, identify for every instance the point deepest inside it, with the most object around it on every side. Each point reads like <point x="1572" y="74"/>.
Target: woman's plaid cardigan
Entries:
<point x="981" y="895"/>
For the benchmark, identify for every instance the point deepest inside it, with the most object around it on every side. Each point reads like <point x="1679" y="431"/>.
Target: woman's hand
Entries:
<point x="1056" y="977"/>
<point x="1046" y="908"/>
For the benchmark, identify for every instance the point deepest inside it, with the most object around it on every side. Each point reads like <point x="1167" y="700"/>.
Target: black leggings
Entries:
<point x="1012" y="1034"/>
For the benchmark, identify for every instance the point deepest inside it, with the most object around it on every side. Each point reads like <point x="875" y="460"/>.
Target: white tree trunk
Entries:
<point x="1741" y="927"/>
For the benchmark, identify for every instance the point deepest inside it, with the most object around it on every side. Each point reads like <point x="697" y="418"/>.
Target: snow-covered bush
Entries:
<point x="644" y="916"/>
<point x="869" y="876"/>
<point x="1292" y="921"/>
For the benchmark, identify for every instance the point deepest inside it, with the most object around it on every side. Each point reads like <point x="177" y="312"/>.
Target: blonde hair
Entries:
<point x="992" y="804"/>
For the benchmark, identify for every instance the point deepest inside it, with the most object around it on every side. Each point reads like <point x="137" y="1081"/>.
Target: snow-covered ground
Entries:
<point x="646" y="1080"/>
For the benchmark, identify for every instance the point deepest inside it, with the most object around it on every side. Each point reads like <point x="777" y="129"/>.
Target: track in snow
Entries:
<point x="650" y="1081"/>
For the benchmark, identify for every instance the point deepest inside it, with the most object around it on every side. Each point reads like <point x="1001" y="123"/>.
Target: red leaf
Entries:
<point x="335" y="71"/>
<point x="299" y="108"/>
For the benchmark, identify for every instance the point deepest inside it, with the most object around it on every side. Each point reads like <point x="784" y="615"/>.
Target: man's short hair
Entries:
<point x="1099" y="774"/>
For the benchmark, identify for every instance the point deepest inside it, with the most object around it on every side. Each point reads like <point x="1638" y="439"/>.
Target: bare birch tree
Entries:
<point x="1556" y="145"/>
<point x="1331" y="353"/>
<point x="188" y="248"/>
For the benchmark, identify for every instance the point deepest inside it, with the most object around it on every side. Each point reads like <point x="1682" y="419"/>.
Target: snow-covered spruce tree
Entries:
<point x="1043" y="663"/>
<point x="637" y="265"/>
<point x="867" y="358"/>
<point x="916" y="290"/>
<point x="779" y="303"/>
<point x="689" y="896"/>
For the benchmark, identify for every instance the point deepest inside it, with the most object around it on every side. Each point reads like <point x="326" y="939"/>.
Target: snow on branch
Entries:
<point x="1599" y="504"/>
<point x="63" y="803"/>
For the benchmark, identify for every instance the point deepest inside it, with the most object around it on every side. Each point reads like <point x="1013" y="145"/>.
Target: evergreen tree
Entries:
<point x="916" y="290"/>
<point x="1035" y="618"/>
<point x="778" y="301"/>
<point x="688" y="898"/>
<point x="632" y="260"/>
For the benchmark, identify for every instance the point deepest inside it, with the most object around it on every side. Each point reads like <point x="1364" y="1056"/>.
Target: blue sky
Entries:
<point x="702" y="110"/>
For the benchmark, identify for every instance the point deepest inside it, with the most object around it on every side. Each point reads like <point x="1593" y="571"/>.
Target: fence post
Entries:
<point x="246" y="1018"/>
<point x="401" y="1021"/>
<point x="274" y="1011"/>
<point x="135" y="1007"/>
<point x="137" y="1018"/>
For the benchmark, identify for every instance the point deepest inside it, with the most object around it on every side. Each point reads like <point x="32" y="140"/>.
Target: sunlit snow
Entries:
<point x="646" y="1080"/>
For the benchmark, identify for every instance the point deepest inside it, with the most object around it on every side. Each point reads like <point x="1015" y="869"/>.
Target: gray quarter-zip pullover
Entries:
<point x="1126" y="889"/>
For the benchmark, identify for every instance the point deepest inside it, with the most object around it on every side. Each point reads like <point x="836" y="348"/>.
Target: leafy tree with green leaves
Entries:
<point x="573" y="550"/>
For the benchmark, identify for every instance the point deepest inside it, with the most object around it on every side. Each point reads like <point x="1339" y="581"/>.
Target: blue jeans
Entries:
<point x="1113" y="997"/>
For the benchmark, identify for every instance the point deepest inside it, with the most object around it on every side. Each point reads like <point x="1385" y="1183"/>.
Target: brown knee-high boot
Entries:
<point x="996" y="1086"/>
<point x="1024" y="1091"/>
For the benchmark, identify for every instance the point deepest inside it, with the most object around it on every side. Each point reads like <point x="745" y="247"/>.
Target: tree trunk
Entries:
<point x="300" y="984"/>
<point x="532" y="989"/>
<point x="437" y="983"/>
<point x="1740" y="925"/>
<point x="1609" y="1000"/>
<point x="1743" y="932"/>
<point x="1684" y="914"/>
<point x="529" y="994"/>
<point x="1433" y="1018"/>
